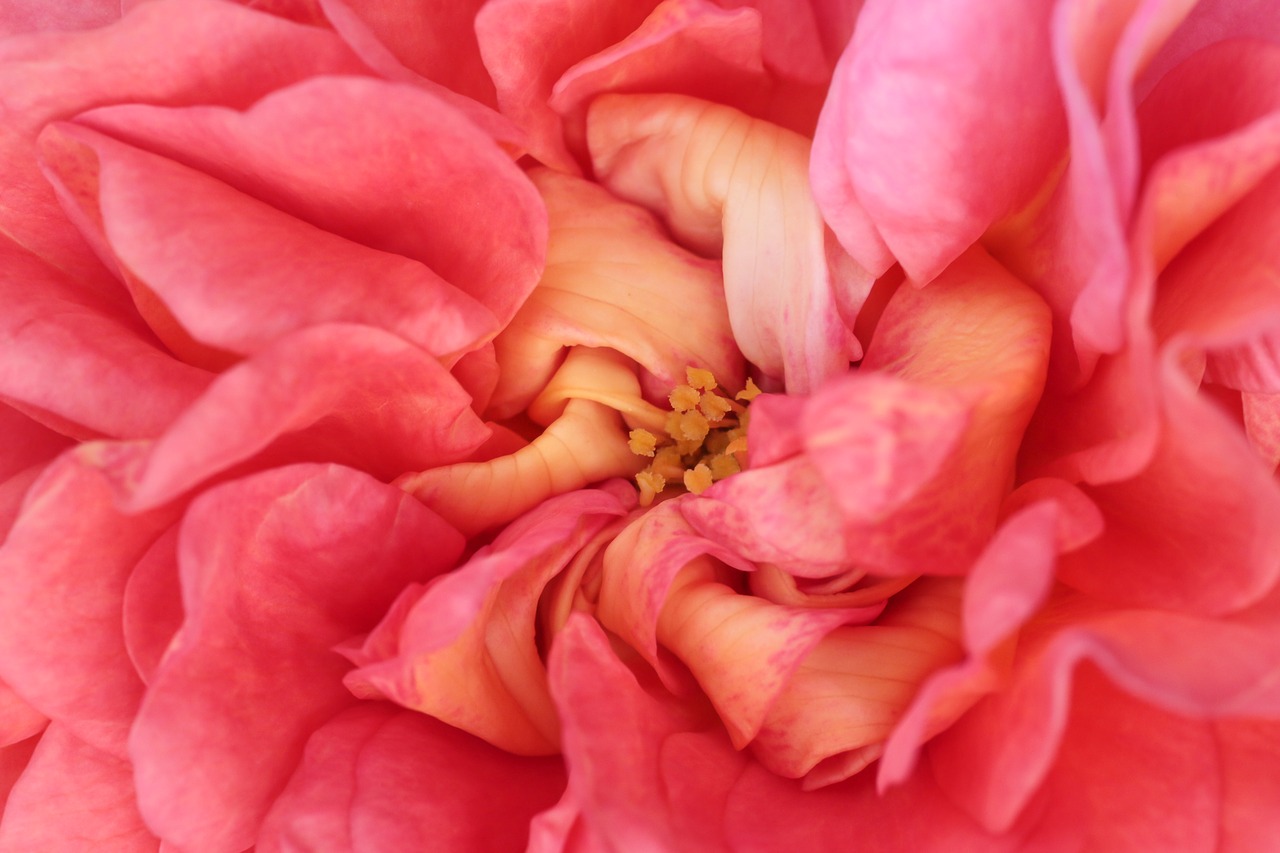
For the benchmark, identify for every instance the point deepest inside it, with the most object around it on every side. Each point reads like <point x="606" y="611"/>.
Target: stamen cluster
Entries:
<point x="705" y="441"/>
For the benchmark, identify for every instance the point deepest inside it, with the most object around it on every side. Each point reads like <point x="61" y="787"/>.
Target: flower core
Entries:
<point x="705" y="437"/>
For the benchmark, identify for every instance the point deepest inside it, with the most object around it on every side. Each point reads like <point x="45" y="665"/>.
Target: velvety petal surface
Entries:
<point x="317" y="391"/>
<point x="379" y="778"/>
<point x="390" y="181"/>
<point x="729" y="184"/>
<point x="275" y="570"/>
<point x="73" y="797"/>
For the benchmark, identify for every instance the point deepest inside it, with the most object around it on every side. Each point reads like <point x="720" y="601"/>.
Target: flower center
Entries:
<point x="705" y="437"/>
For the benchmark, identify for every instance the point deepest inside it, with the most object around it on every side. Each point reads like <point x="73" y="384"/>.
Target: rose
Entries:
<point x="947" y="395"/>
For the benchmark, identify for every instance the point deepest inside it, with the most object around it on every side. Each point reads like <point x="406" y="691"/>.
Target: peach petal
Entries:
<point x="464" y="650"/>
<point x="293" y="401"/>
<point x="370" y="779"/>
<point x="48" y="77"/>
<point x="235" y="272"/>
<point x="849" y="691"/>
<point x="640" y="777"/>
<point x="64" y="567"/>
<point x="612" y="280"/>
<point x="722" y="182"/>
<point x="55" y="334"/>
<point x="384" y="182"/>
<point x="585" y="442"/>
<point x="941" y="120"/>
<point x="96" y="812"/>
<point x="262" y="613"/>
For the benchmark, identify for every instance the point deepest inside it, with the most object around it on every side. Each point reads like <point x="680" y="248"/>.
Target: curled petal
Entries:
<point x="275" y="570"/>
<point x="728" y="183"/>
<point x="613" y="280"/>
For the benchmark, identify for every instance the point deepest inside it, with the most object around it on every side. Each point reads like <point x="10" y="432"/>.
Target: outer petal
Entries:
<point x="727" y="182"/>
<point x="276" y="569"/>
<point x="32" y="16"/>
<point x="64" y="568"/>
<point x="315" y="391"/>
<point x="943" y="118"/>
<point x="73" y="797"/>
<point x="55" y="76"/>
<point x="234" y="272"/>
<point x="391" y="181"/>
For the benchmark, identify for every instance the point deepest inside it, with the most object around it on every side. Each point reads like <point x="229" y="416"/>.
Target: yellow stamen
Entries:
<point x="724" y="466"/>
<point x="642" y="442"/>
<point x="650" y="483"/>
<point x="699" y="479"/>
<point x="688" y="426"/>
<point x="700" y="378"/>
<point x="684" y="398"/>
<point x="714" y="406"/>
<point x="749" y="393"/>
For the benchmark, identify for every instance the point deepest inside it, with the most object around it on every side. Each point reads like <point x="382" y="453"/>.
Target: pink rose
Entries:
<point x="387" y="468"/>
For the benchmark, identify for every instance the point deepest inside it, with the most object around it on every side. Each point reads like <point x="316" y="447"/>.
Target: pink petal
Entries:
<point x="25" y="452"/>
<point x="308" y="397"/>
<point x="275" y="569"/>
<point x="52" y="77"/>
<point x="1262" y="424"/>
<point x="13" y="762"/>
<point x="528" y="44"/>
<point x="391" y="181"/>
<point x="236" y="273"/>
<point x="18" y="720"/>
<point x="152" y="607"/>
<point x="466" y="651"/>
<point x="54" y="334"/>
<point x="642" y="780"/>
<point x="64" y="567"/>
<point x="942" y="120"/>
<point x="1246" y="754"/>
<point x="32" y="16"/>
<point x="379" y="778"/>
<point x="723" y="182"/>
<point x="73" y="797"/>
<point x="1211" y="21"/>
<point x="612" y="279"/>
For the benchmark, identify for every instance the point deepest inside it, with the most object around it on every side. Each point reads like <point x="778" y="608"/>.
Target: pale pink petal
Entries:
<point x="309" y="397"/>
<point x="391" y="181"/>
<point x="613" y="279"/>
<point x="528" y="44"/>
<point x="36" y="16"/>
<point x="55" y="76"/>
<point x="642" y="779"/>
<point x="729" y="184"/>
<point x="585" y="442"/>
<point x="943" y="118"/>
<point x="378" y="778"/>
<point x="64" y="569"/>
<point x="466" y="651"/>
<point x="234" y="272"/>
<point x="275" y="570"/>
<point x="54" y="334"/>
<point x="73" y="797"/>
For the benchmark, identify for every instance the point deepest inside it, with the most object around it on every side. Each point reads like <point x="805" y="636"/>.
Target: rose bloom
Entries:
<point x="696" y="425"/>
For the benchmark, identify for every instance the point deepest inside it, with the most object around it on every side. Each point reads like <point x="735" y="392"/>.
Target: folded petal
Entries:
<point x="73" y="797"/>
<point x="391" y="181"/>
<point x="236" y="273"/>
<point x="943" y="119"/>
<point x="316" y="391"/>
<point x="613" y="279"/>
<point x="381" y="778"/>
<point x="275" y="570"/>
<point x="466" y="650"/>
<point x="732" y="185"/>
<point x="64" y="568"/>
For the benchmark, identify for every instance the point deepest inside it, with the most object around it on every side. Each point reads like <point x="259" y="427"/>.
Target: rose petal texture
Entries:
<point x="731" y="185"/>
<point x="275" y="569"/>
<point x="902" y="468"/>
